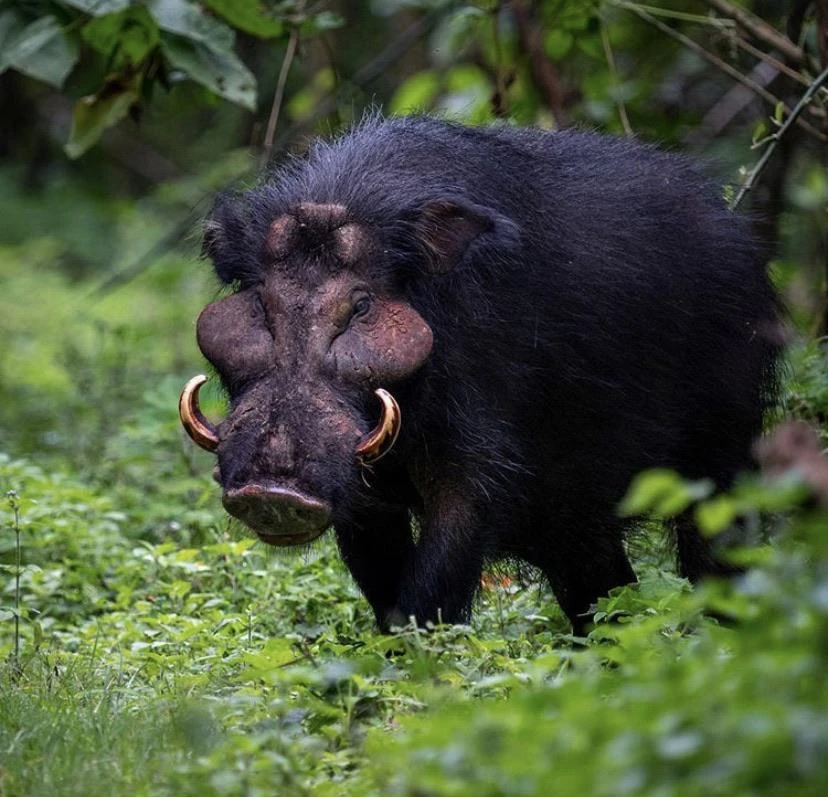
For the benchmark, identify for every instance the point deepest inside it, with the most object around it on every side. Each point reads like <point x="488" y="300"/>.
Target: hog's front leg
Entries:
<point x="377" y="547"/>
<point x="442" y="575"/>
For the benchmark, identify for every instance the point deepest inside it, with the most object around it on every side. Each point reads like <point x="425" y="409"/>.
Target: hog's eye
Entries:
<point x="361" y="307"/>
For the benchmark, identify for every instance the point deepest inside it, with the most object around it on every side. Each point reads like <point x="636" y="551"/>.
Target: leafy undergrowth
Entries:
<point x="202" y="664"/>
<point x="148" y="647"/>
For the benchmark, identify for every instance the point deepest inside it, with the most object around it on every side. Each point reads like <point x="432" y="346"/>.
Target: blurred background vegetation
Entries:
<point x="119" y="120"/>
<point x="148" y="648"/>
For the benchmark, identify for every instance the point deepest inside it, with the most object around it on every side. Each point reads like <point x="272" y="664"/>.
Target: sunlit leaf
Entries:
<point x="127" y="37"/>
<point x="95" y="113"/>
<point x="417" y="93"/>
<point x="248" y="16"/>
<point x="649" y="489"/>
<point x="715" y="515"/>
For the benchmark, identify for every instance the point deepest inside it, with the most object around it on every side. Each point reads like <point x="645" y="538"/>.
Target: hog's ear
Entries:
<point x="447" y="228"/>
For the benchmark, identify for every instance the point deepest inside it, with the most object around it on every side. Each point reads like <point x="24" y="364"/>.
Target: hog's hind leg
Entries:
<point x="585" y="561"/>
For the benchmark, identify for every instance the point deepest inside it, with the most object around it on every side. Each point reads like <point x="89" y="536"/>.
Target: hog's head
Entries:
<point x="309" y="348"/>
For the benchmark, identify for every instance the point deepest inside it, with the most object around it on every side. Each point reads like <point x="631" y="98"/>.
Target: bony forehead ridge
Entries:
<point x="311" y="229"/>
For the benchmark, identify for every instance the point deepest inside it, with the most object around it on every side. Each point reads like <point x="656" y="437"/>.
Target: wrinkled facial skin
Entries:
<point x="301" y="352"/>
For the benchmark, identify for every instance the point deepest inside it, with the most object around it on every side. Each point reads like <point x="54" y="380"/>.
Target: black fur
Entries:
<point x="596" y="310"/>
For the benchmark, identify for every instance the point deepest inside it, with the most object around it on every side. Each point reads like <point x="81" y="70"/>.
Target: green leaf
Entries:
<point x="248" y="16"/>
<point x="127" y="37"/>
<point x="301" y="105"/>
<point x="558" y="43"/>
<point x="97" y="112"/>
<point x="10" y="26"/>
<point x="577" y="15"/>
<point x="663" y="493"/>
<point x="760" y="130"/>
<point x="648" y="489"/>
<point x="221" y="71"/>
<point x="97" y="8"/>
<point x="417" y="93"/>
<point x="591" y="45"/>
<point x="274" y="654"/>
<point x="188" y="20"/>
<point x="716" y="515"/>
<point x="41" y="50"/>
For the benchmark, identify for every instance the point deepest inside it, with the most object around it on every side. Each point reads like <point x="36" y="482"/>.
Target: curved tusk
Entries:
<point x="198" y="427"/>
<point x="381" y="440"/>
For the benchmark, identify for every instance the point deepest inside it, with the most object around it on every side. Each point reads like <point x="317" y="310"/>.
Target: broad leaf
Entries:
<point x="10" y="26"/>
<point x="188" y="20"/>
<point x="97" y="8"/>
<point x="248" y="16"/>
<point x="97" y="112"/>
<point x="41" y="50"/>
<point x="221" y="71"/>
<point x="127" y="38"/>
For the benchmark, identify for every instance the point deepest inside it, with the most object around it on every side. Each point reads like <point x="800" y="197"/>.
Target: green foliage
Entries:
<point x="39" y="49"/>
<point x="216" y="67"/>
<point x="141" y="45"/>
<point x="149" y="646"/>
<point x="96" y="112"/>
<point x="162" y="651"/>
<point x="249" y="16"/>
<point x="126" y="38"/>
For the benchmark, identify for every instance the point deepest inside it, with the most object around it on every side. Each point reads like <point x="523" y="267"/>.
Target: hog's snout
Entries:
<point x="279" y="515"/>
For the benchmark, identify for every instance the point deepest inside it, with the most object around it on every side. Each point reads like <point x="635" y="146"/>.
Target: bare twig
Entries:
<point x="622" y="108"/>
<point x="14" y="504"/>
<point x="544" y="74"/>
<point x="778" y="65"/>
<point x="754" y="173"/>
<point x="719" y="64"/>
<point x="729" y="106"/>
<point x="278" y="95"/>
<point x="685" y="16"/>
<point x="821" y="11"/>
<point x="760" y="29"/>
<point x="500" y="100"/>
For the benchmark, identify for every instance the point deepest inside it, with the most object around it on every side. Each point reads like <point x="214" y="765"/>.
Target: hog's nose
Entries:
<point x="279" y="515"/>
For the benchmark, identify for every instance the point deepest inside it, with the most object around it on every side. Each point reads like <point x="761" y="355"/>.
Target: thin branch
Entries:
<point x="729" y="106"/>
<point x="760" y="29"/>
<point x="778" y="65"/>
<point x="545" y="75"/>
<point x="754" y="173"/>
<point x="684" y="16"/>
<point x="718" y="63"/>
<point x="500" y="99"/>
<point x="278" y="95"/>
<point x="622" y="108"/>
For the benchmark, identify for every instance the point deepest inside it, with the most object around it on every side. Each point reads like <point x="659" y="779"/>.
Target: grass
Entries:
<point x="155" y="649"/>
